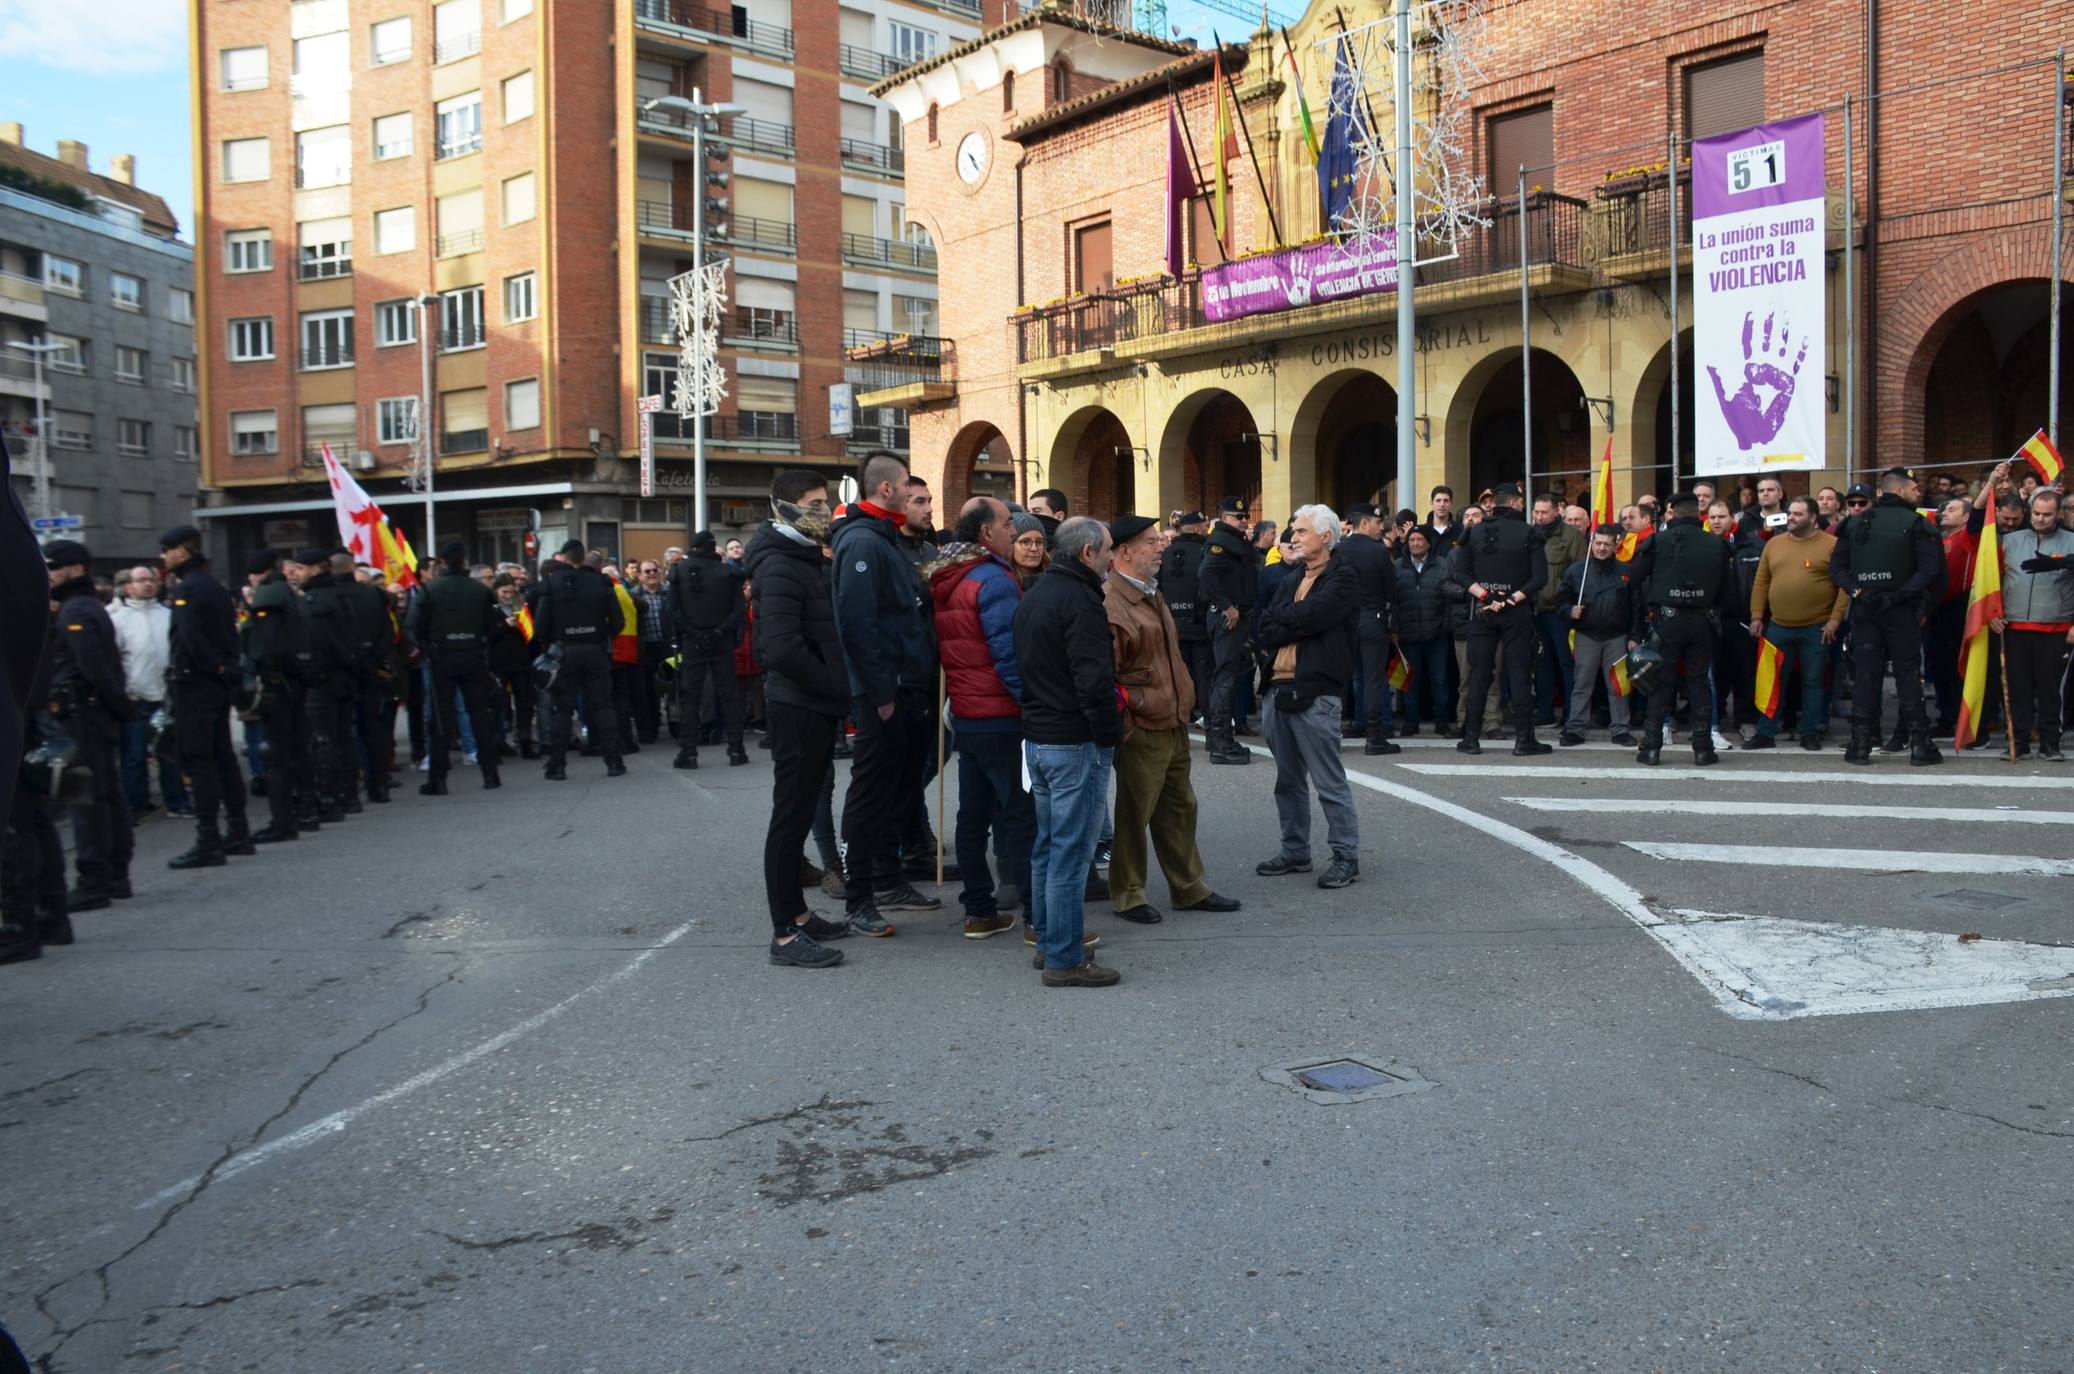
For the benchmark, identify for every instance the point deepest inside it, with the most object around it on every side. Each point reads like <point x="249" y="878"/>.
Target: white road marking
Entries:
<point x="1867" y="860"/>
<point x="339" y="1120"/>
<point x="1832" y="777"/>
<point x="1590" y="806"/>
<point x="1595" y="746"/>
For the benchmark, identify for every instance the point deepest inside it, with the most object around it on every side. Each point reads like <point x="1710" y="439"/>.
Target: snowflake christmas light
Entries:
<point x="696" y="302"/>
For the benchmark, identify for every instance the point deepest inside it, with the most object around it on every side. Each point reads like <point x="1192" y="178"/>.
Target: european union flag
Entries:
<point x="1337" y="171"/>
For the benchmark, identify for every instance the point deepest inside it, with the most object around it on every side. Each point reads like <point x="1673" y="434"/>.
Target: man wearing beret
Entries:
<point x="202" y="676"/>
<point x="91" y="702"/>
<point x="1152" y="783"/>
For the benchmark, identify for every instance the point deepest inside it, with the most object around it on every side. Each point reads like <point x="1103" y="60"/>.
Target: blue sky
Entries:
<point x="111" y="74"/>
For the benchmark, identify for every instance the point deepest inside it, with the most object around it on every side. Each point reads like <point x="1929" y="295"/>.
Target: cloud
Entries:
<point x="105" y="38"/>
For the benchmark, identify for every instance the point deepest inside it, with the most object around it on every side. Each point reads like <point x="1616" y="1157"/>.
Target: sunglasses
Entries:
<point x="1858" y="505"/>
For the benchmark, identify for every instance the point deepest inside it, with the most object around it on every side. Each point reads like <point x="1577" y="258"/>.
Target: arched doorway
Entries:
<point x="1221" y="450"/>
<point x="1987" y="387"/>
<point x="1562" y="429"/>
<point x="1350" y="422"/>
<point x="1673" y="463"/>
<point x="979" y="463"/>
<point x="1093" y="463"/>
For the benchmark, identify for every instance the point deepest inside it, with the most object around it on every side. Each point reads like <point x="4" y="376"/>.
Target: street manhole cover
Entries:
<point x="1347" y="1078"/>
<point x="1978" y="900"/>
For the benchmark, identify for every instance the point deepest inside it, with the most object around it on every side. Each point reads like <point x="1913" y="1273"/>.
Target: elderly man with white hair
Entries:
<point x="1310" y="630"/>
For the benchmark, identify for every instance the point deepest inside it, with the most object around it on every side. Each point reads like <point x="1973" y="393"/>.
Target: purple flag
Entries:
<point x="1180" y="190"/>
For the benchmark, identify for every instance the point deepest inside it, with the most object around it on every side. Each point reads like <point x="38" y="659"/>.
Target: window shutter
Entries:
<point x="465" y="410"/>
<point x="778" y="394"/>
<point x="1722" y="97"/>
<point x="1525" y="138"/>
<point x="1092" y="258"/>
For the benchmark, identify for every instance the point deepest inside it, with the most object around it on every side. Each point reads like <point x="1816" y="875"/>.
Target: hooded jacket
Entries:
<point x="975" y="595"/>
<point x="796" y="639"/>
<point x="878" y="600"/>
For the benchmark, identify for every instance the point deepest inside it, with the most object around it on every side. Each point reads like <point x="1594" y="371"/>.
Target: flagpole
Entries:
<point x="2008" y="720"/>
<point x="1407" y="254"/>
<point x="2059" y="229"/>
<point x="1526" y="344"/>
<point x="1266" y="201"/>
<point x="1196" y="163"/>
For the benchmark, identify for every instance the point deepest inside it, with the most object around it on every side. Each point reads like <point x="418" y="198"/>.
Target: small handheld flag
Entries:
<point x="1771" y="665"/>
<point x="2042" y="456"/>
<point x="524" y="620"/>
<point x="1631" y="543"/>
<point x="1397" y="671"/>
<point x="1617" y="679"/>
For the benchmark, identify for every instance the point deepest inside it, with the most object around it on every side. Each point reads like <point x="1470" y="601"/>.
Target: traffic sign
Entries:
<point x="57" y="522"/>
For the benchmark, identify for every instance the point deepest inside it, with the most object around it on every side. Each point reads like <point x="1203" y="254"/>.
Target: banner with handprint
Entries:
<point x="1759" y="305"/>
<point x="1293" y="277"/>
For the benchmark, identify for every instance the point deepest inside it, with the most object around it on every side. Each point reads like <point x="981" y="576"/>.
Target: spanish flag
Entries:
<point x="1602" y="490"/>
<point x="1397" y="670"/>
<point x="2041" y="455"/>
<point x="1771" y="676"/>
<point x="1617" y="678"/>
<point x="1631" y="544"/>
<point x="524" y="620"/>
<point x="1983" y="605"/>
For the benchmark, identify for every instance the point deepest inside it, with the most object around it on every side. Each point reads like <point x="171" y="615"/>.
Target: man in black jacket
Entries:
<point x="1888" y="559"/>
<point x="806" y="693"/>
<point x="1425" y="633"/>
<point x="1071" y="727"/>
<point x="374" y="642"/>
<point x="91" y="702"/>
<point x="1309" y="631"/>
<point x="1227" y="588"/>
<point x="706" y="610"/>
<point x="892" y="672"/>
<point x="202" y="677"/>
<point x="1688" y="579"/>
<point x="580" y="615"/>
<point x="1180" y="584"/>
<point x="1500" y="565"/>
<point x="456" y="620"/>
<point x="333" y="686"/>
<point x="1596" y="599"/>
<point x="274" y="645"/>
<point x="1376" y="572"/>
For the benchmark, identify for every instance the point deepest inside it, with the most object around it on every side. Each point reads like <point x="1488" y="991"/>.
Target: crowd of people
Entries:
<point x="1057" y="662"/>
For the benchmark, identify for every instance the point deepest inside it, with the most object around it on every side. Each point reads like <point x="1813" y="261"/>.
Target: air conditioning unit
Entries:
<point x="363" y="461"/>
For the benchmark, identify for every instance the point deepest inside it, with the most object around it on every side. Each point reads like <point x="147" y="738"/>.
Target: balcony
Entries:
<point x="747" y="231"/>
<point x="764" y="428"/>
<point x="455" y="244"/>
<point x="732" y="26"/>
<point x="1631" y="215"/>
<point x="339" y="264"/>
<point x="902" y="370"/>
<point x="876" y="158"/>
<point x="81" y="440"/>
<point x="327" y="355"/>
<point x="316" y="178"/>
<point x="866" y="64"/>
<point x="22" y="298"/>
<point x="896" y="253"/>
<point x="464" y="441"/>
<point x="458" y="147"/>
<point x="655" y="321"/>
<point x="892" y="438"/>
<point x="459" y="46"/>
<point x="761" y="328"/>
<point x="463" y="337"/>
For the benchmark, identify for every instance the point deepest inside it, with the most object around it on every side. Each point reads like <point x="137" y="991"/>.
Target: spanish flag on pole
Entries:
<point x="2041" y="455"/>
<point x="1771" y="675"/>
<point x="1983" y="605"/>
<point x="1397" y="670"/>
<point x="1602" y="489"/>
<point x="1617" y="679"/>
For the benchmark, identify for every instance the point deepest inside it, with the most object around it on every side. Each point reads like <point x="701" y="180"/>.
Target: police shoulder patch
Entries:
<point x="860" y="565"/>
<point x="75" y="627"/>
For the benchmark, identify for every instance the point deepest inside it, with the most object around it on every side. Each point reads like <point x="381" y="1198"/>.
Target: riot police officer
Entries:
<point x="1377" y="572"/>
<point x="32" y="858"/>
<point x="1226" y="589"/>
<point x="89" y="700"/>
<point x="455" y="620"/>
<point x="1500" y="565"/>
<point x="374" y="643"/>
<point x="202" y="677"/>
<point x="1888" y="559"/>
<point x="275" y="644"/>
<point x="1688" y="577"/>
<point x="706" y="610"/>
<point x="579" y="615"/>
<point x="333" y="688"/>
<point x="1180" y="586"/>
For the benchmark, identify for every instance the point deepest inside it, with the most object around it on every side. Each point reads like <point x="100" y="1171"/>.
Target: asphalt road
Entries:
<point x="502" y="1082"/>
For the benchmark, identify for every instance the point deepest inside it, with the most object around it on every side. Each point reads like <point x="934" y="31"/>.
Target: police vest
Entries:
<point x="583" y="607"/>
<point x="1179" y="573"/>
<point x="1688" y="566"/>
<point x="1883" y="545"/>
<point x="457" y="609"/>
<point x="1501" y="555"/>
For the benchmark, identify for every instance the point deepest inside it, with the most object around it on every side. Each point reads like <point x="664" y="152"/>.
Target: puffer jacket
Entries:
<point x="795" y="624"/>
<point x="1150" y="667"/>
<point x="975" y="595"/>
<point x="2040" y="598"/>
<point x="1422" y="608"/>
<point x="879" y="597"/>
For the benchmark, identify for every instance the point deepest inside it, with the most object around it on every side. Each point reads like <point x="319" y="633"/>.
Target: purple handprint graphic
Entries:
<point x="1751" y="418"/>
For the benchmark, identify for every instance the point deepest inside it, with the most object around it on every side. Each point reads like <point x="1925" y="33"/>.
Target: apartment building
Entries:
<point x="450" y="227"/>
<point x="96" y="331"/>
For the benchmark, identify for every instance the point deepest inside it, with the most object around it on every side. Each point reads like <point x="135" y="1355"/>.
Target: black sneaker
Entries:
<point x="1281" y="864"/>
<point x="905" y="898"/>
<point x="826" y="930"/>
<point x="1625" y="740"/>
<point x="1340" y="873"/>
<point x="1811" y="743"/>
<point x="1760" y="740"/>
<point x="1381" y="746"/>
<point x="803" y="951"/>
<point x="1102" y="854"/>
<point x="1569" y="739"/>
<point x="867" y="921"/>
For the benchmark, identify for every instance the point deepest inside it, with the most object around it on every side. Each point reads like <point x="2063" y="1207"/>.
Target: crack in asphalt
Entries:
<point x="1983" y="1116"/>
<point x="62" y="1334"/>
<point x="1767" y="1068"/>
<point x="593" y="1235"/>
<point x="824" y="1105"/>
<point x="1898" y="1101"/>
<point x="46" y="1083"/>
<point x="226" y="1299"/>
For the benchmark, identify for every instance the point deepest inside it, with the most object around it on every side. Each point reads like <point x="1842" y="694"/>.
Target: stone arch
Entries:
<point x="1212" y="438"/>
<point x="979" y="462"/>
<point x="1085" y="463"/>
<point x="1484" y="424"/>
<point x="1343" y="441"/>
<point x="1985" y="388"/>
<point x="1644" y="459"/>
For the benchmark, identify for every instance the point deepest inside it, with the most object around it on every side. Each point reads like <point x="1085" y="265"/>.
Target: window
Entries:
<point x="333" y="425"/>
<point x="1525" y="138"/>
<point x="247" y="159"/>
<point x="460" y="223"/>
<point x="390" y="41"/>
<point x="184" y="443"/>
<point x="180" y="375"/>
<point x="70" y="357"/>
<point x="464" y="424"/>
<point x="327" y="248"/>
<point x="396" y="420"/>
<point x="932" y="121"/>
<point x="395" y="322"/>
<point x="136" y="508"/>
<point x="180" y="305"/>
<point x="1092" y="258"/>
<point x="63" y="275"/>
<point x="324" y="157"/>
<point x="518" y="198"/>
<point x="392" y="136"/>
<point x="860" y="312"/>
<point x="456" y="29"/>
<point x="522" y="404"/>
<point x="252" y="339"/>
<point x="72" y="429"/>
<point x="131" y="364"/>
<point x="460" y="319"/>
<point x="460" y="125"/>
<point x="915" y="314"/>
<point x="518" y="298"/>
<point x="133" y="438"/>
<point x="1008" y="92"/>
<point x="395" y="231"/>
<point x="910" y="44"/>
<point x="323" y="63"/>
<point x="249" y="250"/>
<point x="518" y="97"/>
<point x="327" y="339"/>
<point x="253" y="431"/>
<point x="125" y="292"/>
<point x="1061" y="84"/>
<point x="508" y="10"/>
<point x="244" y="69"/>
<point x="1722" y="97"/>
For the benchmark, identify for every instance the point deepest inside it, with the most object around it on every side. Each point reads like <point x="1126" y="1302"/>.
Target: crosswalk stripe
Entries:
<point x="1587" y="806"/>
<point x="1871" y="860"/>
<point x="1726" y="773"/>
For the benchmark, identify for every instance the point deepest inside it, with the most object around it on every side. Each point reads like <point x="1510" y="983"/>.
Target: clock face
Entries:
<point x="972" y="158"/>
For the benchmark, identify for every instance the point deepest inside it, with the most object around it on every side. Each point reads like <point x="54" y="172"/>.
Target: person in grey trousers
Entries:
<point x="1309" y="632"/>
<point x="1595" y="598"/>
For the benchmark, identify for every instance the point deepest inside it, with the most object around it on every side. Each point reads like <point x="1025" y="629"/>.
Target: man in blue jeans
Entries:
<point x="1795" y="607"/>
<point x="1071" y="727"/>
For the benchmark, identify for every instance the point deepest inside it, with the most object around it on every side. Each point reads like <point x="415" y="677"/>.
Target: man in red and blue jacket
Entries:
<point x="975" y="591"/>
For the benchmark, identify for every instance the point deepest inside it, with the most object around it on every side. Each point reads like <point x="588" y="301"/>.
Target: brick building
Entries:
<point x="485" y="191"/>
<point x="1080" y="363"/>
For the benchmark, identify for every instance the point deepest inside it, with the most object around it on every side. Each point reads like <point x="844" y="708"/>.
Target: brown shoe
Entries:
<point x="1088" y="975"/>
<point x="1087" y="941"/>
<point x="979" y="928"/>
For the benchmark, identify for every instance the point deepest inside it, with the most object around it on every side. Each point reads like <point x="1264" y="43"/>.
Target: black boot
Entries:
<point x="119" y="882"/>
<point x="274" y="834"/>
<point x="1921" y="752"/>
<point x="528" y="749"/>
<point x="88" y="898"/>
<point x="1524" y="745"/>
<point x="207" y="851"/>
<point x="490" y="780"/>
<point x="237" y="838"/>
<point x="557" y="769"/>
<point x="615" y="766"/>
<point x="18" y="944"/>
<point x="1652" y="750"/>
<point x="1471" y="741"/>
<point x="434" y="788"/>
<point x="1859" y="750"/>
<point x="53" y="926"/>
<point x="1703" y="754"/>
<point x="1379" y="742"/>
<point x="736" y="756"/>
<point x="687" y="757"/>
<point x="378" y="791"/>
<point x="1896" y="742"/>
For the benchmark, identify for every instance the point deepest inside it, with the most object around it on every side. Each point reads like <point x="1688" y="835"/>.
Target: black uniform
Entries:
<point x="511" y="669"/>
<point x="1888" y="559"/>
<point x="202" y="676"/>
<point x="1180" y="585"/>
<point x="1376" y="572"/>
<point x="455" y="620"/>
<point x="329" y="704"/>
<point x="90" y="703"/>
<point x="276" y="645"/>
<point x="1504" y="554"/>
<point x="32" y="857"/>
<point x="1230" y="579"/>
<point x="374" y="645"/>
<point x="1688" y="579"/>
<point x="706" y="607"/>
<point x="579" y="614"/>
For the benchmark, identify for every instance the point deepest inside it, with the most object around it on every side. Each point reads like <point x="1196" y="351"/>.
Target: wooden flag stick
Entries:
<point x="941" y="687"/>
<point x="2008" y="721"/>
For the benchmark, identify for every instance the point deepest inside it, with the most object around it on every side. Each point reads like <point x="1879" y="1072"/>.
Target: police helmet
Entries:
<point x="1645" y="666"/>
<point x="666" y="671"/>
<point x="49" y="770"/>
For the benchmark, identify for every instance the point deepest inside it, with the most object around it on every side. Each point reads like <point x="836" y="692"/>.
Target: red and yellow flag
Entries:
<point x="1983" y="605"/>
<point x="1602" y="489"/>
<point x="1397" y="670"/>
<point x="1224" y="143"/>
<point x="1631" y="543"/>
<point x="524" y="620"/>
<point x="1771" y="676"/>
<point x="2041" y="455"/>
<point x="1617" y="679"/>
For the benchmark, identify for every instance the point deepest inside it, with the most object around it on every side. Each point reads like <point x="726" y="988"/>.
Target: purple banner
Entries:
<point x="1298" y="277"/>
<point x="1758" y="167"/>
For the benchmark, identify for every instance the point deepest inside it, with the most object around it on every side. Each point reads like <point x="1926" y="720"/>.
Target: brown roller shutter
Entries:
<point x="1523" y="138"/>
<point x="1092" y="259"/>
<point x="1722" y="97"/>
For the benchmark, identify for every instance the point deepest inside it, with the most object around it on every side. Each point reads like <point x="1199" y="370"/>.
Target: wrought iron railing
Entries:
<point x="919" y="257"/>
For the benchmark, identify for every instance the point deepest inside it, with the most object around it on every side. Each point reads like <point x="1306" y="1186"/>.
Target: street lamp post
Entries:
<point x="36" y="352"/>
<point x="428" y="321"/>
